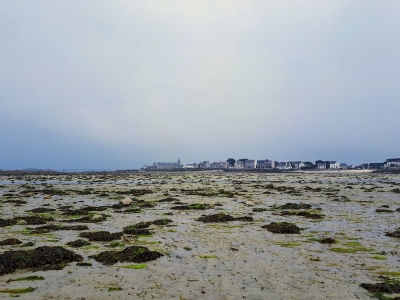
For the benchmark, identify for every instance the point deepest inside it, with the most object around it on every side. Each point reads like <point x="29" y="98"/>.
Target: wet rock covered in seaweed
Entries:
<point x="49" y="228"/>
<point x="161" y="221"/>
<point x="395" y="233"/>
<point x="43" y="258"/>
<point x="136" y="254"/>
<point x="282" y="227"/>
<point x="86" y="219"/>
<point x="101" y="236"/>
<point x="78" y="243"/>
<point x="295" y="206"/>
<point x="136" y="231"/>
<point x="221" y="217"/>
<point x="142" y="225"/>
<point x="35" y="220"/>
<point x="389" y="287"/>
<point x="327" y="240"/>
<point x="41" y="210"/>
<point x="10" y="241"/>
<point x="195" y="206"/>
<point x="304" y="214"/>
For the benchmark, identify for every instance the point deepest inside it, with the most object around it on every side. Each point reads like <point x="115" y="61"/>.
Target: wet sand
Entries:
<point x="228" y="260"/>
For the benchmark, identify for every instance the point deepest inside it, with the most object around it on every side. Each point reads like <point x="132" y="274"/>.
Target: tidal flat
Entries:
<point x="200" y="235"/>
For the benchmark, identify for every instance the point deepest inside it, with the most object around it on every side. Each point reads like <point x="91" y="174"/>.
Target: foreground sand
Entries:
<point x="233" y="260"/>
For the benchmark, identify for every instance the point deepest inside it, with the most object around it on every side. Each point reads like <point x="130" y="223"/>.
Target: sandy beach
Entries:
<point x="237" y="259"/>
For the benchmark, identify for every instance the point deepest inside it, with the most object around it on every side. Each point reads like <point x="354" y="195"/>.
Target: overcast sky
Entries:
<point x="118" y="84"/>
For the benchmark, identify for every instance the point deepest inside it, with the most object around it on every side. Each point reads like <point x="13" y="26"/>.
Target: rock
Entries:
<point x="42" y="258"/>
<point x="22" y="222"/>
<point x="47" y="197"/>
<point x="10" y="241"/>
<point x="250" y="203"/>
<point x="383" y="210"/>
<point x="78" y="243"/>
<point x="393" y="234"/>
<point x="389" y="287"/>
<point x="221" y="217"/>
<point x="282" y="227"/>
<point x="295" y="206"/>
<point x="136" y="254"/>
<point x="101" y="236"/>
<point x="327" y="240"/>
<point x="97" y="217"/>
<point x="126" y="201"/>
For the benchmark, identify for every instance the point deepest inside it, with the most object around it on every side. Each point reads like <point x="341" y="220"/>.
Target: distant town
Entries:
<point x="239" y="164"/>
<point x="245" y="163"/>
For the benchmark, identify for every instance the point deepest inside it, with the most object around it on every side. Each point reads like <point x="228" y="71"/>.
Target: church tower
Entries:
<point x="179" y="161"/>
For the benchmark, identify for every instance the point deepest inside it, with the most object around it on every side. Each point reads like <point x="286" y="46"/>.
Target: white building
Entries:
<point x="250" y="163"/>
<point x="334" y="165"/>
<point x="283" y="165"/>
<point x="322" y="165"/>
<point x="393" y="162"/>
<point x="296" y="164"/>
<point x="191" y="166"/>
<point x="265" y="164"/>
<point x="239" y="164"/>
<point x="219" y="165"/>
<point x="167" y="165"/>
<point x="204" y="165"/>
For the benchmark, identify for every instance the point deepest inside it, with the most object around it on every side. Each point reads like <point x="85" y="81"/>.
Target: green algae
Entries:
<point x="23" y="231"/>
<point x="352" y="247"/>
<point x="349" y="250"/>
<point x="289" y="245"/>
<point x="28" y="278"/>
<point x="370" y="268"/>
<point x="18" y="291"/>
<point x="135" y="267"/>
<point x="115" y="244"/>
<point x="312" y="240"/>
<point x="84" y="264"/>
<point x="92" y="247"/>
<point x="388" y="273"/>
<point x="382" y="257"/>
<point x="353" y="244"/>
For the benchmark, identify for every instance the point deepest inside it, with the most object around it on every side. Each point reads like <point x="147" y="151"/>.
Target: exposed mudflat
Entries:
<point x="200" y="235"/>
